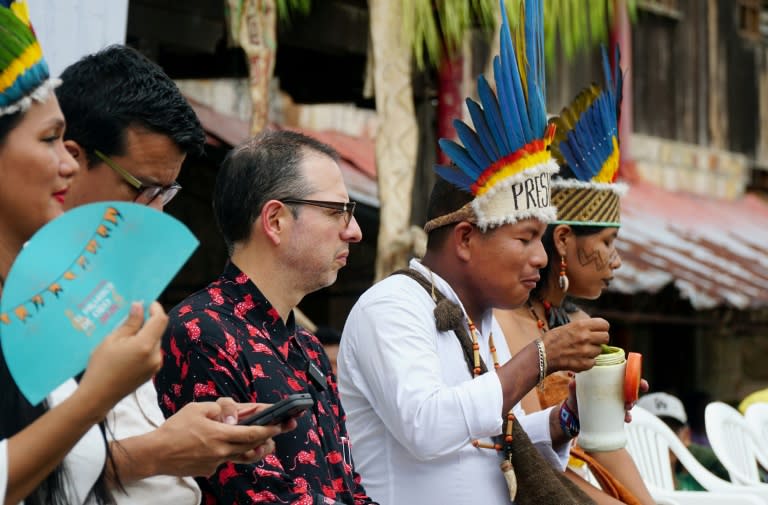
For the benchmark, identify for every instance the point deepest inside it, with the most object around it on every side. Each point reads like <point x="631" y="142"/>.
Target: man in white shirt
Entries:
<point x="421" y="407"/>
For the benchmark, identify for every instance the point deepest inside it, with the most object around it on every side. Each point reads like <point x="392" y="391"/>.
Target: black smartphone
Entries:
<point x="280" y="412"/>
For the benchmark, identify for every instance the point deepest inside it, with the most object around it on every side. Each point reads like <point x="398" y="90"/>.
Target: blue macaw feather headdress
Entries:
<point x="24" y="73"/>
<point x="505" y="162"/>
<point x="587" y="147"/>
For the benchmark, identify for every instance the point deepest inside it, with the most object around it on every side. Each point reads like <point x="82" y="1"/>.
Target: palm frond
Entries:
<point x="287" y="8"/>
<point x="420" y="26"/>
<point x="580" y="24"/>
<point x="437" y="27"/>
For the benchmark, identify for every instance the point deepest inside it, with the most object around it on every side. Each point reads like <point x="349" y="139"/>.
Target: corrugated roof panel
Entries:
<point x="714" y="252"/>
<point x="358" y="164"/>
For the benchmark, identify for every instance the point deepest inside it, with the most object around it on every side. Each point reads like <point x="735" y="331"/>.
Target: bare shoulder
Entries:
<point x="511" y="316"/>
<point x="518" y="326"/>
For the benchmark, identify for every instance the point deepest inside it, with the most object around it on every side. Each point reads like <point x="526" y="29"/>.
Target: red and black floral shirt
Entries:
<point x="228" y="340"/>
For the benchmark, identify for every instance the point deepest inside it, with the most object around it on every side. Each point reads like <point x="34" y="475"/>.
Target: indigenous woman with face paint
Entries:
<point x="582" y="257"/>
<point x="54" y="452"/>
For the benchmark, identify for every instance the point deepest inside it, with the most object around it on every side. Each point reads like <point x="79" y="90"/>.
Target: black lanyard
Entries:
<point x="313" y="371"/>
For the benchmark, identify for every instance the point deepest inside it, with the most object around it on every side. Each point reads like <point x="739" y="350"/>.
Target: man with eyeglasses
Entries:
<point x="283" y="209"/>
<point x="130" y="129"/>
<point x="128" y="126"/>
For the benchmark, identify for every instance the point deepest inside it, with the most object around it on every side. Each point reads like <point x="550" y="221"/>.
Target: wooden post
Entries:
<point x="716" y="82"/>
<point x="254" y="29"/>
<point x="621" y="34"/>
<point x="396" y="140"/>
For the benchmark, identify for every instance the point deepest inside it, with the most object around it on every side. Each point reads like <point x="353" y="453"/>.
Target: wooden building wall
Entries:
<point x="698" y="77"/>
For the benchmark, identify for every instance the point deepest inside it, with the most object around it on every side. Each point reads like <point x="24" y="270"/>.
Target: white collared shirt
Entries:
<point x="138" y="414"/>
<point x="3" y="469"/>
<point x="412" y="406"/>
<point x="83" y="463"/>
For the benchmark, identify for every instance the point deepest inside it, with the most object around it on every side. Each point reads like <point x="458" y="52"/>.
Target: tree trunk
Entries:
<point x="396" y="140"/>
<point x="255" y="32"/>
<point x="621" y="34"/>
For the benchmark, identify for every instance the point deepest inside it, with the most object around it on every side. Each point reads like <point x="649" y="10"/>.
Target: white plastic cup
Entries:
<point x="600" y="395"/>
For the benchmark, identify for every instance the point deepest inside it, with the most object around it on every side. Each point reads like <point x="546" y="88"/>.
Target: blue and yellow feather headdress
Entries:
<point x="587" y="147"/>
<point x="24" y="74"/>
<point x="505" y="162"/>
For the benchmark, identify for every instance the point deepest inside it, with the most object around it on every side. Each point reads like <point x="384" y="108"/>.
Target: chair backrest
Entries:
<point x="650" y="440"/>
<point x="735" y="444"/>
<point x="649" y="444"/>
<point x="757" y="417"/>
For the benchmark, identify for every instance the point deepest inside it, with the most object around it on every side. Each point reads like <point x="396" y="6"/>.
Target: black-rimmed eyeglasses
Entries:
<point x="347" y="208"/>
<point x="145" y="193"/>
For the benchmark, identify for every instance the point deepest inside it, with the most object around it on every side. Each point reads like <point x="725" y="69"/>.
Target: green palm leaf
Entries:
<point x="285" y="8"/>
<point x="437" y="27"/>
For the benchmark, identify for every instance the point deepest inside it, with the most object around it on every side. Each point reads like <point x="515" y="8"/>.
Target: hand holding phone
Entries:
<point x="280" y="412"/>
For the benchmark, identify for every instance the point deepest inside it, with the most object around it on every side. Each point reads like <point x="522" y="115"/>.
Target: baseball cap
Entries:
<point x="664" y="405"/>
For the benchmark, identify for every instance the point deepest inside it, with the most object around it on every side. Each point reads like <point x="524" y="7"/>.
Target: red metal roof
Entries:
<point x="358" y="162"/>
<point x="714" y="252"/>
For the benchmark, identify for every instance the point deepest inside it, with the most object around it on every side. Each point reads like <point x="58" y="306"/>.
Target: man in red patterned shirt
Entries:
<point x="284" y="211"/>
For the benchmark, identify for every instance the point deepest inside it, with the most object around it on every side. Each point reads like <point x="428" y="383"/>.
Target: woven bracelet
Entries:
<point x="569" y="421"/>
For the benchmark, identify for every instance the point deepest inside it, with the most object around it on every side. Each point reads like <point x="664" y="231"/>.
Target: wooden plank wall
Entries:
<point x="697" y="78"/>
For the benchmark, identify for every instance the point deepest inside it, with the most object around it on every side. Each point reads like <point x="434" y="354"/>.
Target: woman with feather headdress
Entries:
<point x="582" y="259"/>
<point x="37" y="171"/>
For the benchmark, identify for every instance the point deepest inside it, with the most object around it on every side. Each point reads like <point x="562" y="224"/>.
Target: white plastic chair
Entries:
<point x="757" y="417"/>
<point x="649" y="441"/>
<point x="736" y="445"/>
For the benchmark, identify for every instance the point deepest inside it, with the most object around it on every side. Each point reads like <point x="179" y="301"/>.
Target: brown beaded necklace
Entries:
<point x="448" y="316"/>
<point x="477" y="370"/>
<point x="506" y="464"/>
<point x="553" y="316"/>
<point x="558" y="319"/>
<point x="539" y="322"/>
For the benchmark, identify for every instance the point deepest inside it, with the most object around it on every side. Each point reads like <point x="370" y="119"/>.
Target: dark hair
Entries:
<point x="444" y="199"/>
<point x="674" y="424"/>
<point x="548" y="240"/>
<point x="266" y="167"/>
<point x="7" y="124"/>
<point x="104" y="93"/>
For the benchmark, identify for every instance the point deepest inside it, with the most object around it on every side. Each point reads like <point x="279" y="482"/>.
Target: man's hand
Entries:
<point x="202" y="436"/>
<point x="575" y="346"/>
<point x="196" y="440"/>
